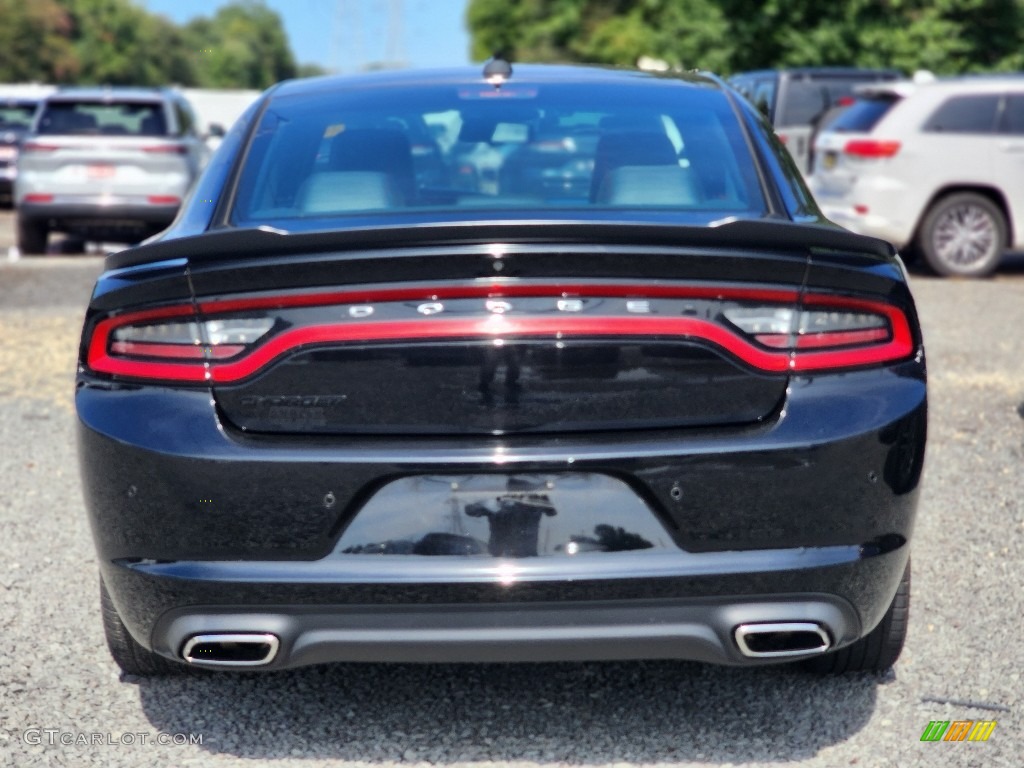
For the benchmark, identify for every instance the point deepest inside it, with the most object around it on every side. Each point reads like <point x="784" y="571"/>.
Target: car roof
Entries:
<point x="901" y="88"/>
<point x="114" y="92"/>
<point x="25" y="92"/>
<point x="473" y="75"/>
<point x="947" y="85"/>
<point x="979" y="83"/>
<point x="830" y="71"/>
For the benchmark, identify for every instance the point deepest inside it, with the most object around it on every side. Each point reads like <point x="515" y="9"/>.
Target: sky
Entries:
<point x="344" y="35"/>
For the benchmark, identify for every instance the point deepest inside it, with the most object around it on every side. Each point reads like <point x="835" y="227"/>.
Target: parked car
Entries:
<point x="796" y="101"/>
<point x="339" y="413"/>
<point x="17" y="108"/>
<point x="933" y="167"/>
<point x="105" y="163"/>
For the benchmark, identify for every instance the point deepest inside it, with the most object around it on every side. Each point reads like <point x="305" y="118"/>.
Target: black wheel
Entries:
<point x="131" y="657"/>
<point x="879" y="649"/>
<point x="963" y="235"/>
<point x="71" y="245"/>
<point x="32" y="235"/>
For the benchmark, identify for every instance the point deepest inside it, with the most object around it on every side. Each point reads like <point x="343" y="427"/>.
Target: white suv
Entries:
<point x="937" y="167"/>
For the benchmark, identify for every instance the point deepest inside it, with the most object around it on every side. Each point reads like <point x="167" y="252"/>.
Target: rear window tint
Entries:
<point x="102" y="118"/>
<point x="16" y="116"/>
<point x="803" y="101"/>
<point x="965" y="114"/>
<point x="458" y="148"/>
<point x="864" y="114"/>
<point x="806" y="100"/>
<point x="1013" y="115"/>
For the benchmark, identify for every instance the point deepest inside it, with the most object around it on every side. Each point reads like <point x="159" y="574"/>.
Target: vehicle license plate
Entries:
<point x="520" y="515"/>
<point x="99" y="171"/>
<point x="828" y="162"/>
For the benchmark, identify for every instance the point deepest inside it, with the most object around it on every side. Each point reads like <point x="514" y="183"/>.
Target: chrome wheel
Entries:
<point x="964" y="234"/>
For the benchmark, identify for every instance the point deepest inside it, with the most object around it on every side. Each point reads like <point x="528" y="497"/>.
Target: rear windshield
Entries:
<point x="864" y="114"/>
<point x="807" y="100"/>
<point x="456" y="148"/>
<point x="91" y="118"/>
<point x="16" y="117"/>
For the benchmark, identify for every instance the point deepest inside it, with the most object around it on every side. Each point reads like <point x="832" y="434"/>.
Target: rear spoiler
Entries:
<point x="265" y="241"/>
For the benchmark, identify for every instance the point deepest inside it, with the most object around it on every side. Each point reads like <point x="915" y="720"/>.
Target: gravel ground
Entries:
<point x="56" y="675"/>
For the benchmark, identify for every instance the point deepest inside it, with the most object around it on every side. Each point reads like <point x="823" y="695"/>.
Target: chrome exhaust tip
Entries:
<point x="231" y="650"/>
<point x="775" y="641"/>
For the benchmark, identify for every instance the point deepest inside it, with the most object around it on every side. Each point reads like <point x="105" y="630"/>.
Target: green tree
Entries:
<point x="35" y="42"/>
<point x="311" y="70"/>
<point x="601" y="31"/>
<point x="117" y="42"/>
<point x="946" y="36"/>
<point x="242" y="46"/>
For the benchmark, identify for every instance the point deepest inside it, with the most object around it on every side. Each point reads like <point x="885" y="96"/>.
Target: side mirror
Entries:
<point x="215" y="131"/>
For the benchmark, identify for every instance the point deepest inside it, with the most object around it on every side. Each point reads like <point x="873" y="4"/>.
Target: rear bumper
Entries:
<point x="871" y="224"/>
<point x="194" y="521"/>
<point x="697" y="630"/>
<point x="7" y="175"/>
<point x="100" y="212"/>
<point x="888" y="208"/>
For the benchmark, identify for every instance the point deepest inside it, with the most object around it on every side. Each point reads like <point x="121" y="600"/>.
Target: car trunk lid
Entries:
<point x="460" y="331"/>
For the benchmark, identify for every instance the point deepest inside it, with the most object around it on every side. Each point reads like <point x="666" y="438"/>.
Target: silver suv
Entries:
<point x="937" y="167"/>
<point x="105" y="163"/>
<point x="18" y="104"/>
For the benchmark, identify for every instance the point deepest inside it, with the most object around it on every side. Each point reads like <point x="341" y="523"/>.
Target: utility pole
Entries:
<point x="347" y="51"/>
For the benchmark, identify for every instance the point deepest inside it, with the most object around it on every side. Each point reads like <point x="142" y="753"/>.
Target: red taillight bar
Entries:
<point x="826" y="339"/>
<point x="38" y="146"/>
<point x="814" y="352"/>
<point x="165" y="149"/>
<point x="871" y="148"/>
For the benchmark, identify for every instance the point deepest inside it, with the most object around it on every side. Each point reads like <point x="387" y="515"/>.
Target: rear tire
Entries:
<point x="963" y="235"/>
<point x="32" y="235"/>
<point x="131" y="657"/>
<point x="879" y="649"/>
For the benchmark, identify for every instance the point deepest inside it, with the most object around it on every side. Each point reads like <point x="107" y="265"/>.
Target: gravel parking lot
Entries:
<point x="64" y="704"/>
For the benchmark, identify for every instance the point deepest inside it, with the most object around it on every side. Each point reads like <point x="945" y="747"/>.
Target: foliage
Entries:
<point x="242" y="46"/>
<point x="35" y="41"/>
<point x="118" y="42"/>
<point x="945" y="36"/>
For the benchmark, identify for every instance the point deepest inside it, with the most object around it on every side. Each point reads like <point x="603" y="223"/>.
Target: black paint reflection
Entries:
<point x="515" y="516"/>
<point x="495" y="357"/>
<point x="514" y="519"/>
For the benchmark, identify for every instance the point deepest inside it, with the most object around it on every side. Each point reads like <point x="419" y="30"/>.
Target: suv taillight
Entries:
<point x="166" y="149"/>
<point x="38" y="146"/>
<point x="871" y="148"/>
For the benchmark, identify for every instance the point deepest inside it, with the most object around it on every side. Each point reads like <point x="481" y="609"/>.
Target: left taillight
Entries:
<point x="165" y="149"/>
<point x="160" y="345"/>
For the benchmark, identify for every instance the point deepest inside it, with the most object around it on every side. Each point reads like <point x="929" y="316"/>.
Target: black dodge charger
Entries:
<point x="550" y="363"/>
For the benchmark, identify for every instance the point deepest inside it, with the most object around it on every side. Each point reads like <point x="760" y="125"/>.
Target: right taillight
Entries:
<point x="828" y="332"/>
<point x="871" y="148"/>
